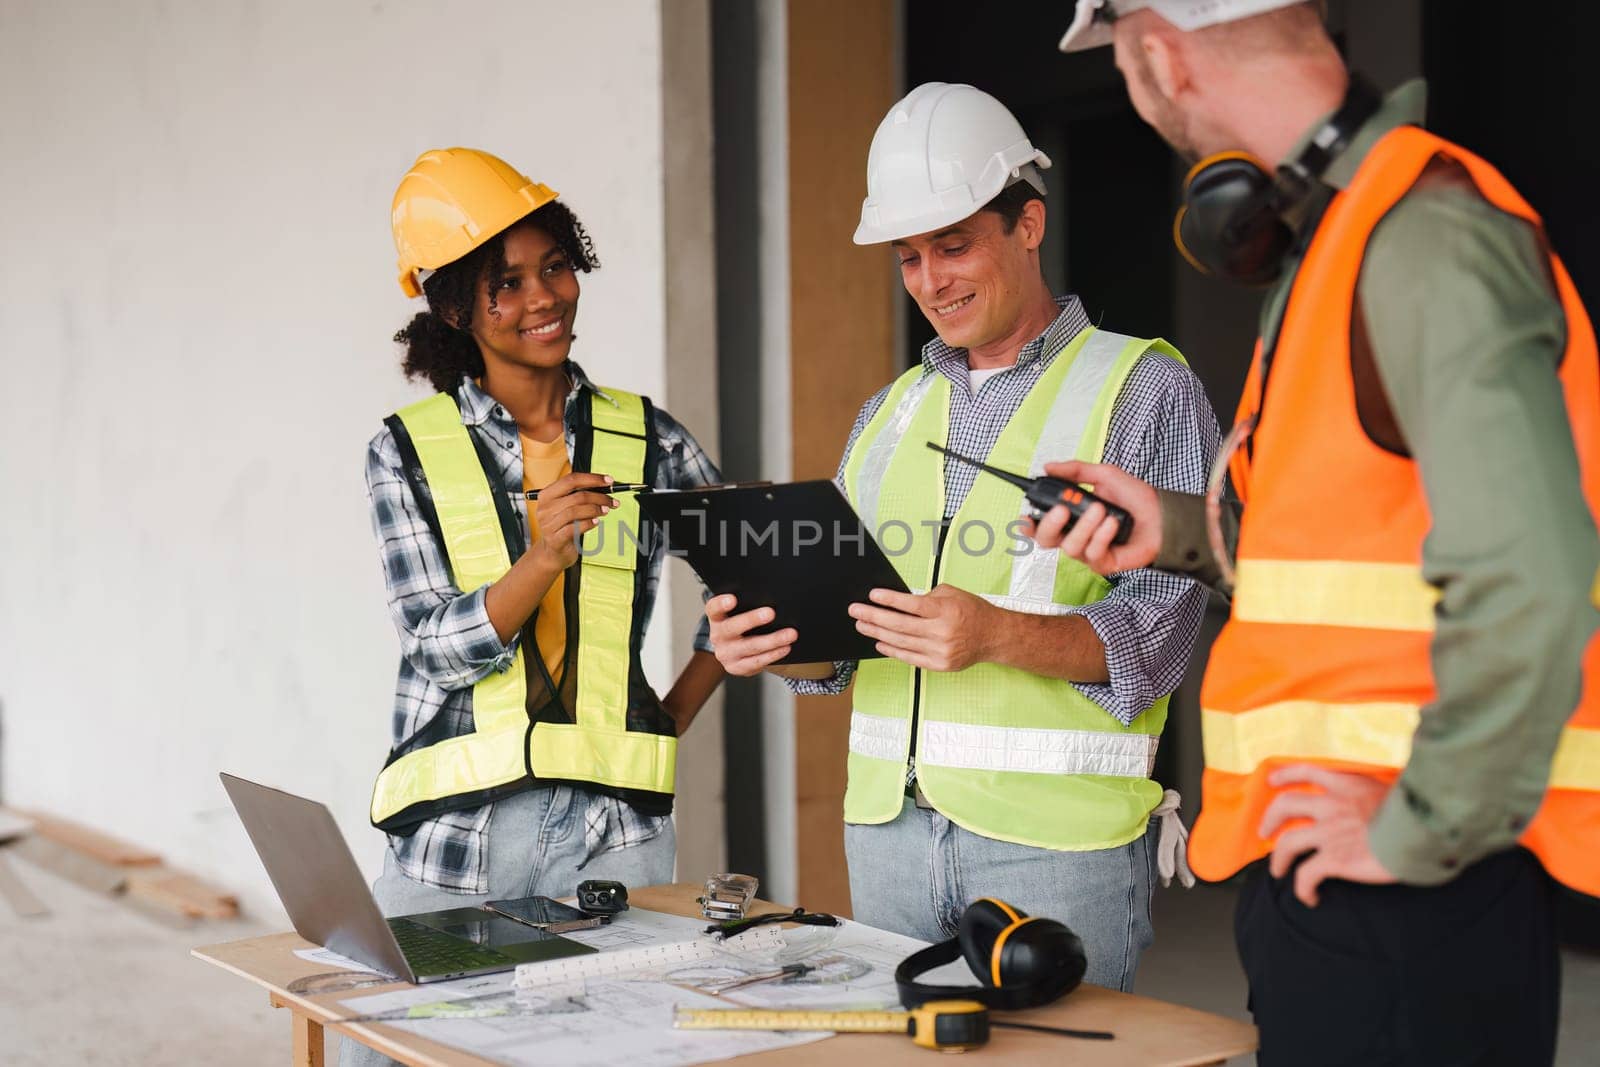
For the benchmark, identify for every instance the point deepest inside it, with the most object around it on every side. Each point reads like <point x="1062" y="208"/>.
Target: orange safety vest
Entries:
<point x="1326" y="656"/>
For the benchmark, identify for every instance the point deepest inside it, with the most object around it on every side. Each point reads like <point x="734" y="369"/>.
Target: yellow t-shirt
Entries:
<point x="542" y="463"/>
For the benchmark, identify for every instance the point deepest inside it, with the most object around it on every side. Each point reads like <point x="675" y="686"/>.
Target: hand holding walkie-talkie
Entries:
<point x="1045" y="493"/>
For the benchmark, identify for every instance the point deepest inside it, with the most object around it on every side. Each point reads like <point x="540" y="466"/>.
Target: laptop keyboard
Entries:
<point x="431" y="952"/>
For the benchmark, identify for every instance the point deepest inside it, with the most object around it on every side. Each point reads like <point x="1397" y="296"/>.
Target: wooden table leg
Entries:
<point x="308" y="1037"/>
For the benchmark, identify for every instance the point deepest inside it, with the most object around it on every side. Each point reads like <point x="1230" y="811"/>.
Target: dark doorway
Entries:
<point x="1522" y="93"/>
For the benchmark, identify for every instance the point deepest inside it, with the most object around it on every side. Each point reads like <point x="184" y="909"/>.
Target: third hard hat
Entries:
<point x="451" y="201"/>
<point x="1092" y="19"/>
<point x="940" y="155"/>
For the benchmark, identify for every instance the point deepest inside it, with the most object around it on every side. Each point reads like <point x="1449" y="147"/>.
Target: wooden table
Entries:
<point x="1149" y="1032"/>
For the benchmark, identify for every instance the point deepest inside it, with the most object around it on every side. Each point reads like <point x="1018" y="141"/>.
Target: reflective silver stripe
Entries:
<point x="1027" y="607"/>
<point x="875" y="463"/>
<point x="1033" y="574"/>
<point x="1080" y="390"/>
<point x="1007" y="748"/>
<point x="879" y="736"/>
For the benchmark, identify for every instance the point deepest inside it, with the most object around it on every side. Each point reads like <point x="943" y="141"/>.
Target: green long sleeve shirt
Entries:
<point x="1466" y="333"/>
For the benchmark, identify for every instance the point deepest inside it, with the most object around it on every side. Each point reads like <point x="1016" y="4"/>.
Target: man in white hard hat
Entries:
<point x="1004" y="743"/>
<point x="1392" y="750"/>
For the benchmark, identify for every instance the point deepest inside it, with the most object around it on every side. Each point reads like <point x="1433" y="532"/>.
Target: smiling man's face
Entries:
<point x="972" y="279"/>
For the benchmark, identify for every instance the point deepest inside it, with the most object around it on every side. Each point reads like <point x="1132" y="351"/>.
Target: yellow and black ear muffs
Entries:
<point x="1229" y="225"/>
<point x="1232" y="222"/>
<point x="1022" y="961"/>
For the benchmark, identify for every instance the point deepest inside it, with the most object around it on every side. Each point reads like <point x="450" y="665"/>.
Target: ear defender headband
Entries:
<point x="1022" y="961"/>
<point x="1232" y="223"/>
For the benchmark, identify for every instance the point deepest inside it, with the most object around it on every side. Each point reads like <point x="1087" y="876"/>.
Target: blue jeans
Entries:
<point x="916" y="874"/>
<point x="535" y="848"/>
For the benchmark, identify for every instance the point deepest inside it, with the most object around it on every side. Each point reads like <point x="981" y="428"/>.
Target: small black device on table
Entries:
<point x="1046" y="493"/>
<point x="599" y="896"/>
<point x="546" y="914"/>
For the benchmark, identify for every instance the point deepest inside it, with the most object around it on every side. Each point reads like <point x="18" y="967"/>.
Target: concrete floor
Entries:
<point x="97" y="983"/>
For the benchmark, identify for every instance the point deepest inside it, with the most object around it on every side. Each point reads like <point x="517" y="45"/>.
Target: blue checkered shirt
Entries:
<point x="1162" y="430"/>
<point x="448" y="644"/>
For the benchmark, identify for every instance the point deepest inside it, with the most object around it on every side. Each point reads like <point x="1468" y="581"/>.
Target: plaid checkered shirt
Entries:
<point x="1162" y="430"/>
<point x="448" y="643"/>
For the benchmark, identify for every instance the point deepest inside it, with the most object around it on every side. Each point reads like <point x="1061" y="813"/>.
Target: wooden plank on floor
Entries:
<point x="23" y="900"/>
<point x="70" y="864"/>
<point x="183" y="894"/>
<point x="95" y="844"/>
<point x="14" y="824"/>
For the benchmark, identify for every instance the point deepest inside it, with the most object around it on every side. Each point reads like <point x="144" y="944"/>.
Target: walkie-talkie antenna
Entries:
<point x="1015" y="479"/>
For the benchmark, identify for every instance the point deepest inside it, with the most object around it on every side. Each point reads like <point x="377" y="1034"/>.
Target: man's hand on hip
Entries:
<point x="948" y="629"/>
<point x="1330" y="825"/>
<point x="1089" y="540"/>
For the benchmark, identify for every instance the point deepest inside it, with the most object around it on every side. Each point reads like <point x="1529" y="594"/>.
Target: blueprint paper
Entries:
<point x="611" y="1021"/>
<point x="561" y="1015"/>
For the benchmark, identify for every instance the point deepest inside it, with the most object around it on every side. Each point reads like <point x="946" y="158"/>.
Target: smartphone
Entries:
<point x="549" y="915"/>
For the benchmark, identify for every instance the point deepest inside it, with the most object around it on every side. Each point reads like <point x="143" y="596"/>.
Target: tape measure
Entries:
<point x="946" y="1025"/>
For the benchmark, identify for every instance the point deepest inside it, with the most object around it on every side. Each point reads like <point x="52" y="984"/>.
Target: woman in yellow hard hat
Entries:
<point x="529" y="752"/>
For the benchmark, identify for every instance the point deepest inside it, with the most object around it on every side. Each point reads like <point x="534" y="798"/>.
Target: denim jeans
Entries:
<point x="535" y="849"/>
<point x="916" y="874"/>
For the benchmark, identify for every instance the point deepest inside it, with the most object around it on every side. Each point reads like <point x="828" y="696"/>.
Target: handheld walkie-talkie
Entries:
<point x="1045" y="493"/>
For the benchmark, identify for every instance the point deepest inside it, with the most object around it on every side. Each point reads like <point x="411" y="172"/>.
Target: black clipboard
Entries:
<point x="798" y="548"/>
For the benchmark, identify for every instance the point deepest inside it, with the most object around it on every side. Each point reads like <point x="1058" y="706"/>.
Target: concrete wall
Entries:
<point x="689" y="206"/>
<point x="196" y="304"/>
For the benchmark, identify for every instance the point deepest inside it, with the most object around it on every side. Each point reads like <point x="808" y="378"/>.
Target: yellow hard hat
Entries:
<point x="451" y="201"/>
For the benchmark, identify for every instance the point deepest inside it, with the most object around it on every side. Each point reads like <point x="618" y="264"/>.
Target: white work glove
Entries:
<point x="1172" y="844"/>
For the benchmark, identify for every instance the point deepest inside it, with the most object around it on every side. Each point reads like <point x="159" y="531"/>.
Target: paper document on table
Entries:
<point x="855" y="970"/>
<point x="610" y="1021"/>
<point x="617" y="1005"/>
<point x="636" y="928"/>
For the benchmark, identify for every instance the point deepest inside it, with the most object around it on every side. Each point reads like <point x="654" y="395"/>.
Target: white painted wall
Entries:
<point x="196" y="300"/>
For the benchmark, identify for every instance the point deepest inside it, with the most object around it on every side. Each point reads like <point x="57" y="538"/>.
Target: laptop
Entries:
<point x="329" y="903"/>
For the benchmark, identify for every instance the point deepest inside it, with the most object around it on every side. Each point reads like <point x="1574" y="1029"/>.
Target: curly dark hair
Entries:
<point x="442" y="352"/>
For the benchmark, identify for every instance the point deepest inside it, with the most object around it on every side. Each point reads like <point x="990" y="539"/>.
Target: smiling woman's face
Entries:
<point x="536" y="302"/>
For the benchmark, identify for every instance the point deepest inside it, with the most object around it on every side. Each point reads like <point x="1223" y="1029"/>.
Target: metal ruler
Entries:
<point x="648" y="958"/>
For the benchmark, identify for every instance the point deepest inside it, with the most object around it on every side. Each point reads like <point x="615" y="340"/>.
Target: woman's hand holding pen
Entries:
<point x="566" y="509"/>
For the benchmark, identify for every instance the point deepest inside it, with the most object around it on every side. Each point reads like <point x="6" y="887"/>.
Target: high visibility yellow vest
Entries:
<point x="1005" y="753"/>
<point x="591" y="734"/>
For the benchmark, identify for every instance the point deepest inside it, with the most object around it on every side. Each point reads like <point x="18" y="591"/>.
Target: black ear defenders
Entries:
<point x="1232" y="223"/>
<point x="1022" y="961"/>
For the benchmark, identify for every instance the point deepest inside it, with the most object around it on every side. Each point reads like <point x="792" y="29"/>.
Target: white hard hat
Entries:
<point x="939" y="156"/>
<point x="1091" y="23"/>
